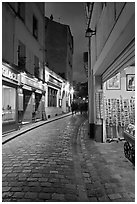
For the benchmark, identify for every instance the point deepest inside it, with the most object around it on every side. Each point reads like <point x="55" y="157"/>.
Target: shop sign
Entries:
<point x="55" y="81"/>
<point x="8" y="73"/>
<point x="30" y="82"/>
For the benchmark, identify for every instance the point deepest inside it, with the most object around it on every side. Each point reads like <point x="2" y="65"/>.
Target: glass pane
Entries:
<point x="8" y="103"/>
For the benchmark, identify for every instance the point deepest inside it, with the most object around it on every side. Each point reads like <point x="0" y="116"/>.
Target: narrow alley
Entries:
<point x="58" y="162"/>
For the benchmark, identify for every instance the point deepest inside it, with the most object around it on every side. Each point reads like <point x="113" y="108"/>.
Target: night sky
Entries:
<point x="72" y="14"/>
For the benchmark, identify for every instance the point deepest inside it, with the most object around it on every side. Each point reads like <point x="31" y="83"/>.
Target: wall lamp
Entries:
<point x="90" y="32"/>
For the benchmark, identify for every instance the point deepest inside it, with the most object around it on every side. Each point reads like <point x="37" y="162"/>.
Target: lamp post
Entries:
<point x="89" y="34"/>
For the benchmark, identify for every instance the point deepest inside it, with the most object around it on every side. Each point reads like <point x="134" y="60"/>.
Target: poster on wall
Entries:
<point x="114" y="83"/>
<point x="130" y="82"/>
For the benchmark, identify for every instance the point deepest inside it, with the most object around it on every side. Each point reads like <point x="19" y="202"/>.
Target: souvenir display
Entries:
<point x="119" y="112"/>
<point x="130" y="129"/>
<point x="99" y="105"/>
<point x="126" y="112"/>
<point x="129" y="145"/>
<point x="132" y="110"/>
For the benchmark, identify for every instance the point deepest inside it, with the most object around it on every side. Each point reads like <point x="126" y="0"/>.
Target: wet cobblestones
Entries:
<point x="39" y="165"/>
<point x="58" y="163"/>
<point x="107" y="170"/>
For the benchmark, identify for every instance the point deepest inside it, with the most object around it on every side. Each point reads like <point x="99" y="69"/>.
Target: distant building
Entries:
<point x="59" y="48"/>
<point x="58" y="95"/>
<point x="22" y="63"/>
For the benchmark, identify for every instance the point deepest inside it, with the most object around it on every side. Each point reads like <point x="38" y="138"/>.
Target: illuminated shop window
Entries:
<point x="8" y="103"/>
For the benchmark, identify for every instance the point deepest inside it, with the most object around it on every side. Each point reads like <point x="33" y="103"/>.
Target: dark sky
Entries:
<point x="72" y="14"/>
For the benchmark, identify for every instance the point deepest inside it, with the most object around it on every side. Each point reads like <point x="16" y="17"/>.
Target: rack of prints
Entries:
<point x="120" y="112"/>
<point x="99" y="105"/>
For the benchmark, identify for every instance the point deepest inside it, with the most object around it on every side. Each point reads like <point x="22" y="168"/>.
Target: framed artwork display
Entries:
<point x="130" y="82"/>
<point x="114" y="83"/>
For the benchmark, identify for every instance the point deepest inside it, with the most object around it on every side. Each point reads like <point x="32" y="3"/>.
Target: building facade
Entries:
<point x="110" y="30"/>
<point x="23" y="60"/>
<point x="59" y="94"/>
<point x="59" y="49"/>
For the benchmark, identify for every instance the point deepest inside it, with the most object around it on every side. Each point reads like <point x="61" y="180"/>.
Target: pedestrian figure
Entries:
<point x="81" y="107"/>
<point x="74" y="107"/>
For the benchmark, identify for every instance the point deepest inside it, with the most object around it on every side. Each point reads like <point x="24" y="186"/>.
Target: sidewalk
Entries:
<point x="110" y="176"/>
<point x="25" y="128"/>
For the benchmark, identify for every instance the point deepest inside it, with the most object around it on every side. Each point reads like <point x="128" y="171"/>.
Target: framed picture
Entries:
<point x="130" y="82"/>
<point x="114" y="83"/>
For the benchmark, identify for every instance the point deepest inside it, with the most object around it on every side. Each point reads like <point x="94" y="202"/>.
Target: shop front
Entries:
<point x="114" y="86"/>
<point x="30" y="99"/>
<point x="115" y="102"/>
<point x="119" y="103"/>
<point x="10" y="84"/>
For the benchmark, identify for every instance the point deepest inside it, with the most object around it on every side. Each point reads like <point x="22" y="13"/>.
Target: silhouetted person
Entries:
<point x="74" y="107"/>
<point x="81" y="107"/>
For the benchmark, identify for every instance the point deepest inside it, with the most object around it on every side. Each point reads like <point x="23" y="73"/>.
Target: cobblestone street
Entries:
<point x="40" y="165"/>
<point x="57" y="162"/>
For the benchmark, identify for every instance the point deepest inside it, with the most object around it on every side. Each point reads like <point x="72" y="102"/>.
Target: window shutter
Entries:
<point x="127" y="58"/>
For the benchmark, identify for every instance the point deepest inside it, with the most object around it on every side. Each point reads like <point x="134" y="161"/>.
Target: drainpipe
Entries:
<point x="89" y="34"/>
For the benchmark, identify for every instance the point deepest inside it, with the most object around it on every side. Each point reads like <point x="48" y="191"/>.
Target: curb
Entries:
<point x="10" y="137"/>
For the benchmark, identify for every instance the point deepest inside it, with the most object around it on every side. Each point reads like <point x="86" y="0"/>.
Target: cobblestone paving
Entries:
<point x="109" y="176"/>
<point x="57" y="162"/>
<point x="41" y="164"/>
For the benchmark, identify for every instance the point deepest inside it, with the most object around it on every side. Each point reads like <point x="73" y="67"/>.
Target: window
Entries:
<point x="52" y="97"/>
<point x="8" y="103"/>
<point x="35" y="27"/>
<point x="21" y="56"/>
<point x="36" y="68"/>
<point x="21" y="10"/>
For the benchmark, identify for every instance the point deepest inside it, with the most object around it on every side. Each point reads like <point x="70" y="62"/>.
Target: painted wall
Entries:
<point x="23" y="32"/>
<point x="69" y="56"/>
<point x="115" y="29"/>
<point x="105" y="15"/>
<point x="14" y="29"/>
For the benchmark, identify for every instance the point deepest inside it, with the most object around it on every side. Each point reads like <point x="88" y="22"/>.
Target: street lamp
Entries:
<point x="89" y="33"/>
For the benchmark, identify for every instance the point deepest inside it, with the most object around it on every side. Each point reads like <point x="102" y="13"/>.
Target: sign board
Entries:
<point x="31" y="82"/>
<point x="9" y="73"/>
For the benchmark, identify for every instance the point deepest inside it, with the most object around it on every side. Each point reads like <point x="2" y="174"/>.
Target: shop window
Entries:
<point x="21" y="56"/>
<point x="52" y="97"/>
<point x="21" y="10"/>
<point x="8" y="103"/>
<point x="36" y="68"/>
<point x="35" y="27"/>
